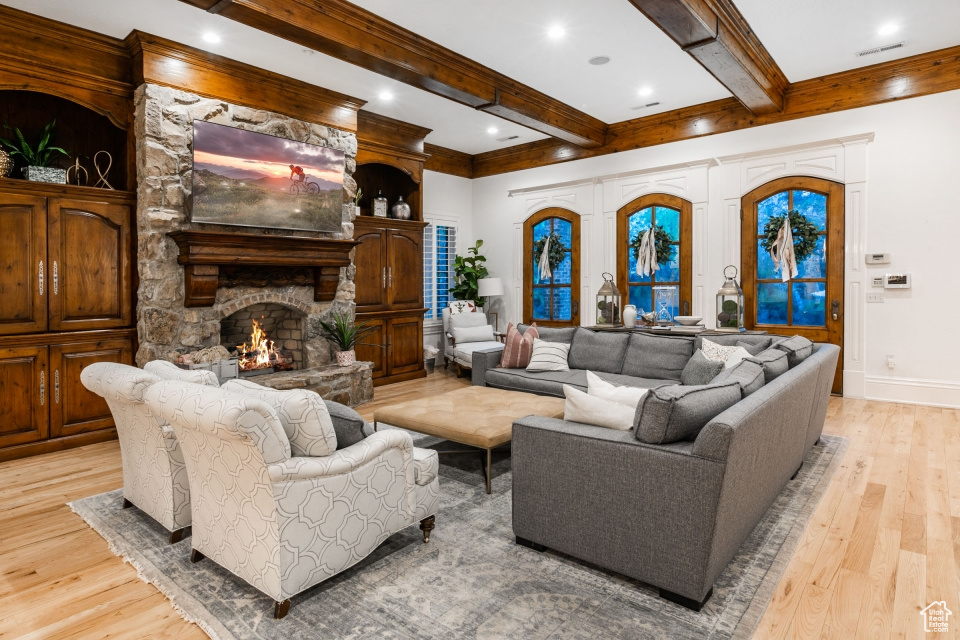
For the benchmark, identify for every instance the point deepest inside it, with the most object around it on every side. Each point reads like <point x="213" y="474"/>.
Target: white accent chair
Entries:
<point x="283" y="523"/>
<point x="461" y="354"/>
<point x="154" y="476"/>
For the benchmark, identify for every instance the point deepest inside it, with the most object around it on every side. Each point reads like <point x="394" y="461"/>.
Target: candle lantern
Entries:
<point x="730" y="303"/>
<point x="608" y="302"/>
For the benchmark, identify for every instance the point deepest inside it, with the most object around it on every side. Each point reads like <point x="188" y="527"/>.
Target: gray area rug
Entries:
<point x="471" y="580"/>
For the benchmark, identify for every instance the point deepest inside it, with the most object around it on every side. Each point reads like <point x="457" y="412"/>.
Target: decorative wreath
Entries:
<point x="805" y="234"/>
<point x="661" y="241"/>
<point x="557" y="251"/>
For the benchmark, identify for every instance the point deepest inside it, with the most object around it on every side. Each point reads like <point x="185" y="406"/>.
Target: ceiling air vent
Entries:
<point x="887" y="47"/>
<point x="507" y="139"/>
<point x="645" y="106"/>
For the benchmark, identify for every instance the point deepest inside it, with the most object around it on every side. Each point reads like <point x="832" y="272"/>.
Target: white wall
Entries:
<point x="911" y="211"/>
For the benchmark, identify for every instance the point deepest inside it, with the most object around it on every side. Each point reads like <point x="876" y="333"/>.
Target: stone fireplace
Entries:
<point x="283" y="326"/>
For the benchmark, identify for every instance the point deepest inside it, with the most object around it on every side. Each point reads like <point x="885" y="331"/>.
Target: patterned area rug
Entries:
<point x="471" y="580"/>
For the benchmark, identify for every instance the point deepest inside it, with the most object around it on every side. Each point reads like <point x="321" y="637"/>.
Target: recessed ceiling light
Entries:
<point x="645" y="91"/>
<point x="211" y="37"/>
<point x="556" y="32"/>
<point x="599" y="60"/>
<point x="888" y="29"/>
<point x="386" y="95"/>
<point x="492" y="130"/>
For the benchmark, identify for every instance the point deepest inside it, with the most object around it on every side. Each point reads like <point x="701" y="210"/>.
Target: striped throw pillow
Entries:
<point x="549" y="356"/>
<point x="518" y="348"/>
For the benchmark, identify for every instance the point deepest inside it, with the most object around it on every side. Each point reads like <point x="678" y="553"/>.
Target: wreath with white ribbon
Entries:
<point x="663" y="250"/>
<point x="550" y="253"/>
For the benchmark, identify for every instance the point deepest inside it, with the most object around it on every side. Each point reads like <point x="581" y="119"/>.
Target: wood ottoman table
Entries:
<point x="480" y="417"/>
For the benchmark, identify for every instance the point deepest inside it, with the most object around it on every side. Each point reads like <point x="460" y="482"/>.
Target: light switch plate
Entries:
<point x="874" y="297"/>
<point x="878" y="282"/>
<point x="878" y="258"/>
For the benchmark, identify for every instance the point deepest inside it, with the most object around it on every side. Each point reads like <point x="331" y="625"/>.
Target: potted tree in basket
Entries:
<point x="346" y="335"/>
<point x="38" y="160"/>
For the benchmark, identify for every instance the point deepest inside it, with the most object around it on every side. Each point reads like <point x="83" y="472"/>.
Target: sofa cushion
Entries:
<point x="463" y="355"/>
<point x="674" y="413"/>
<point x="700" y="370"/>
<point x="748" y="374"/>
<point x="549" y="356"/>
<point x="168" y="371"/>
<point x="552" y="334"/>
<point x="774" y="363"/>
<point x="598" y="350"/>
<point x="466" y="335"/>
<point x="599" y="412"/>
<point x="550" y="383"/>
<point x="426" y="464"/>
<point x="656" y="357"/>
<point x="467" y="320"/>
<point x="797" y="349"/>
<point x="518" y="347"/>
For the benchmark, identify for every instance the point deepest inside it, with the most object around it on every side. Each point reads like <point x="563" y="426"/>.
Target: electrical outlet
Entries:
<point x="878" y="282"/>
<point x="874" y="297"/>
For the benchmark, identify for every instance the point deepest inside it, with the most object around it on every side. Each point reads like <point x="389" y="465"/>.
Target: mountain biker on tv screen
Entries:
<point x="296" y="173"/>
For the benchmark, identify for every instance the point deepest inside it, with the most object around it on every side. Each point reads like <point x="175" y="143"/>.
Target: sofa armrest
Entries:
<point x="345" y="460"/>
<point x="481" y="361"/>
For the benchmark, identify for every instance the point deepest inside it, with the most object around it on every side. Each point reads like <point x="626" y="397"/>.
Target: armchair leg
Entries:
<point x="427" y="525"/>
<point x="683" y="601"/>
<point x="177" y="536"/>
<point x="196" y="556"/>
<point x="281" y="609"/>
<point x="126" y="504"/>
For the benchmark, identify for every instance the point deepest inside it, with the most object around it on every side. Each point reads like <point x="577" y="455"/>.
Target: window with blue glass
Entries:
<point x="551" y="268"/>
<point x="439" y="252"/>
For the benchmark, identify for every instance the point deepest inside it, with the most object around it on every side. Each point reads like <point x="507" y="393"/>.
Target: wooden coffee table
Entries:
<point x="480" y="417"/>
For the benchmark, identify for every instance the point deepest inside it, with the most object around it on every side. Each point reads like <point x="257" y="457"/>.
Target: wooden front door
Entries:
<point x="405" y="269"/>
<point x="89" y="270"/>
<point x="370" y="258"/>
<point x="74" y="409"/>
<point x="23" y="264"/>
<point x="25" y="390"/>
<point x="811" y="304"/>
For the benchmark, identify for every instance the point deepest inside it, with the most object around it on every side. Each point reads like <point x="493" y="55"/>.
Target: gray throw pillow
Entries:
<point x="657" y="357"/>
<point x="348" y="424"/>
<point x="747" y="373"/>
<point x="774" y="363"/>
<point x="551" y="334"/>
<point x="675" y="413"/>
<point x="700" y="370"/>
<point x="597" y="350"/>
<point x="797" y="349"/>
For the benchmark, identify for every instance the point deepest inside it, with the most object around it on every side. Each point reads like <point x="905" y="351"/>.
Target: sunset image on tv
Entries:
<point x="257" y="180"/>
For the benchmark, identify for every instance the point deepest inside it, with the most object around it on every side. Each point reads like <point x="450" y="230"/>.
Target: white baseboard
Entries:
<point x="853" y="386"/>
<point x="935" y="393"/>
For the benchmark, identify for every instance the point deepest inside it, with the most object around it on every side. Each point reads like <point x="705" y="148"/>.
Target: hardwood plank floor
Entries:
<point x="882" y="545"/>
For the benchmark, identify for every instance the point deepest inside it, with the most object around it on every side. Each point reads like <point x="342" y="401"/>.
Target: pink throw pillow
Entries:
<point x="518" y="348"/>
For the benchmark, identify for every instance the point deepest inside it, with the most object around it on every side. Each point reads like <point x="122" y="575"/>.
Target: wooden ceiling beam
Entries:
<point x="719" y="38"/>
<point x="348" y="32"/>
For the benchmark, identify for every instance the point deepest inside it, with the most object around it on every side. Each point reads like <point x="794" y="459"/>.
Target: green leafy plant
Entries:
<point x="356" y="198"/>
<point x="661" y="240"/>
<point x="805" y="234"/>
<point x="343" y="332"/>
<point x="468" y="271"/>
<point x="557" y="251"/>
<point x="39" y="157"/>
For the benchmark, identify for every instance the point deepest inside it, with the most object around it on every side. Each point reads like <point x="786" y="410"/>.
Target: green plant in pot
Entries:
<point x="37" y="158"/>
<point x="468" y="271"/>
<point x="346" y="335"/>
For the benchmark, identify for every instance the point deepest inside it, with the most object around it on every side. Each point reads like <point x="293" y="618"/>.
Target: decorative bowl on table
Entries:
<point x="688" y="321"/>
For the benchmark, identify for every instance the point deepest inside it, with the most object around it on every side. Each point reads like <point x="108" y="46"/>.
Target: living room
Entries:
<point x="374" y="319"/>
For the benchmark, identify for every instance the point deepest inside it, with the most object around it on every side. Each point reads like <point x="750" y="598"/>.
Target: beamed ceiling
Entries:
<point x="505" y="85"/>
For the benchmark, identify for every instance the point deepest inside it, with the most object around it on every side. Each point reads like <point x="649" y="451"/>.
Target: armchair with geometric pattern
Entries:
<point x="284" y="523"/>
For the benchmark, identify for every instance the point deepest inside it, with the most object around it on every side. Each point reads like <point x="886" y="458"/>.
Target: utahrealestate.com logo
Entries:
<point x="935" y="617"/>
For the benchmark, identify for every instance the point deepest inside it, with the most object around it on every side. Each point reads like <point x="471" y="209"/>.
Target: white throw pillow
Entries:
<point x="464" y="335"/>
<point x="549" y="356"/>
<point x="600" y="388"/>
<point x="588" y="409"/>
<point x="729" y="356"/>
<point x="303" y="415"/>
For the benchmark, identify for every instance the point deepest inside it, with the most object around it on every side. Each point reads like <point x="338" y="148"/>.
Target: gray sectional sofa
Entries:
<point x="671" y="515"/>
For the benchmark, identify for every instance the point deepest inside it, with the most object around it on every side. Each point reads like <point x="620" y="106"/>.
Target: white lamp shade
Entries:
<point x="489" y="287"/>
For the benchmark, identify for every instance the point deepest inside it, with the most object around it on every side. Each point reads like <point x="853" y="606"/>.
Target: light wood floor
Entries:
<point x="883" y="544"/>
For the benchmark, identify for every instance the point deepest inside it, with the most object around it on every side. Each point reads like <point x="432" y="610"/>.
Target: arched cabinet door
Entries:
<point x="23" y="299"/>
<point x="88" y="272"/>
<point x="370" y="258"/>
<point x="405" y="269"/>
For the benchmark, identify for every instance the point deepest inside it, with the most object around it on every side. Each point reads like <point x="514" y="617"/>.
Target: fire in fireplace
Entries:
<point x="261" y="355"/>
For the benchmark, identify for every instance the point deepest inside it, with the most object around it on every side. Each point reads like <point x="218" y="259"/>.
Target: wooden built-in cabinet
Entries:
<point x="65" y="302"/>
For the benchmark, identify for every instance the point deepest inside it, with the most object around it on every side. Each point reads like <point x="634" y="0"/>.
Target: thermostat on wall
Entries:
<point x="896" y="281"/>
<point x="878" y="258"/>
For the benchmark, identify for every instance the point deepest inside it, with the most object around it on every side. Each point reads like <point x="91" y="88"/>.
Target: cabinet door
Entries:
<point x="25" y="390"/>
<point x="406" y="344"/>
<point x="371" y="261"/>
<point x="405" y="269"/>
<point x="23" y="231"/>
<point x="73" y="409"/>
<point x="89" y="272"/>
<point x="375" y="348"/>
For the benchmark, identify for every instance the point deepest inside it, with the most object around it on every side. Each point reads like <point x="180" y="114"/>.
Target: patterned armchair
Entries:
<point x="154" y="477"/>
<point x="286" y="523"/>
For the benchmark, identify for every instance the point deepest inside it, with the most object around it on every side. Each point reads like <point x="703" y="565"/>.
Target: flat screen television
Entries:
<point x="253" y="179"/>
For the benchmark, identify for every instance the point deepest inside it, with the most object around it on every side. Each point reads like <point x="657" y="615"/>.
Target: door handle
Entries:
<point x="576" y="307"/>
<point x="42" y="387"/>
<point x="686" y="307"/>
<point x="56" y="385"/>
<point x="390" y="276"/>
<point x="40" y="276"/>
<point x="835" y="309"/>
<point x="56" y="279"/>
<point x="383" y="275"/>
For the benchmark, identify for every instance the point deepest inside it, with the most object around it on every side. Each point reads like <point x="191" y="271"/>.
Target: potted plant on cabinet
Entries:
<point x="37" y="160"/>
<point x="468" y="272"/>
<point x="346" y="335"/>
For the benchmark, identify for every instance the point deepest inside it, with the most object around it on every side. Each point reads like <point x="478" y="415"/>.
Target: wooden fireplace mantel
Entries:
<point x="203" y="253"/>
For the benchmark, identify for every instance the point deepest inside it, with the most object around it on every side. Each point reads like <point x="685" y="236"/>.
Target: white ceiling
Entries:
<point x="812" y="38"/>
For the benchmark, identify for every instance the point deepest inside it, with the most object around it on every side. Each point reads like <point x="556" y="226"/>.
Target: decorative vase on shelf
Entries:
<point x="346" y="358"/>
<point x="6" y="164"/>
<point x="630" y="316"/>
<point x="45" y="174"/>
<point x="400" y="210"/>
<point x="380" y="205"/>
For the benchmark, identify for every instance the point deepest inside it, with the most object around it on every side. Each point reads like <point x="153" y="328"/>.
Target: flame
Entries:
<point x="261" y="352"/>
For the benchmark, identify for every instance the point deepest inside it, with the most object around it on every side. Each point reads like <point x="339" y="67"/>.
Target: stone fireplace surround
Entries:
<point x="166" y="327"/>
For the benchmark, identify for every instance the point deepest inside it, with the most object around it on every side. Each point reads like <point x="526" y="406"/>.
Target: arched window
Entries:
<point x="673" y="218"/>
<point x="551" y="295"/>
